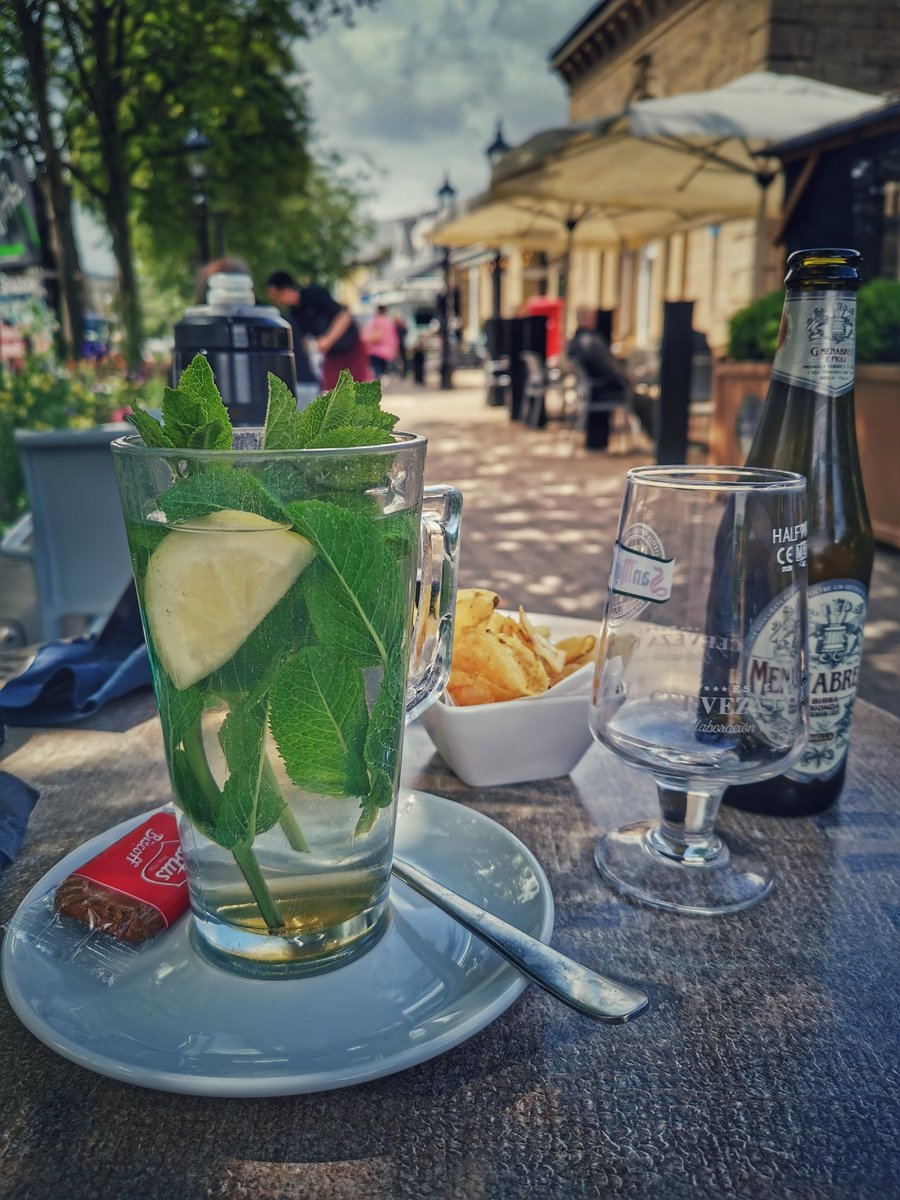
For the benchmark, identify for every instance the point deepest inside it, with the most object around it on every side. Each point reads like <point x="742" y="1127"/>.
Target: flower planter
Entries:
<point x="739" y="390"/>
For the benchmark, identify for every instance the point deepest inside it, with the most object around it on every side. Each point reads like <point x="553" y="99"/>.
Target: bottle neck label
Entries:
<point x="817" y="342"/>
<point x="837" y="612"/>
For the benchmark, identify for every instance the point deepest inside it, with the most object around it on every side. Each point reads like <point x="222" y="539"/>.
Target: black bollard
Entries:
<point x="676" y="354"/>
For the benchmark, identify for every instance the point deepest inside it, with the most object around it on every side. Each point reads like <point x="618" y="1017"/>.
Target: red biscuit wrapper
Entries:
<point x="132" y="889"/>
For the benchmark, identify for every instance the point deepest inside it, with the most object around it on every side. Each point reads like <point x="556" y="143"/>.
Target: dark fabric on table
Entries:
<point x="70" y="680"/>
<point x="17" y="800"/>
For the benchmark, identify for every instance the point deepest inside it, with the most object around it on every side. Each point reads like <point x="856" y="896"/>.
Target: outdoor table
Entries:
<point x="766" y="1065"/>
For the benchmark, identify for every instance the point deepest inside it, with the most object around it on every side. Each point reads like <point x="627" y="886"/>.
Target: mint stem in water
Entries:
<point x="293" y="832"/>
<point x="243" y="854"/>
<point x="250" y="869"/>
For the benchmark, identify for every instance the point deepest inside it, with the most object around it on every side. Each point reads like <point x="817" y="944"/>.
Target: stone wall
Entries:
<point x="852" y="43"/>
<point x="702" y="44"/>
<point x="699" y="44"/>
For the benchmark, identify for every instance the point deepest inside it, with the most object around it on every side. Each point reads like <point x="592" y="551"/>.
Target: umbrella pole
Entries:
<point x="571" y="222"/>
<point x="765" y="180"/>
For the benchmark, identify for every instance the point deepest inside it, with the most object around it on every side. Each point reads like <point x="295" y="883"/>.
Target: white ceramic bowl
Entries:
<point x="517" y="741"/>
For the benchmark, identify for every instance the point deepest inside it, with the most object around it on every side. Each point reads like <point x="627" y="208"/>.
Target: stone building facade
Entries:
<point x="625" y="50"/>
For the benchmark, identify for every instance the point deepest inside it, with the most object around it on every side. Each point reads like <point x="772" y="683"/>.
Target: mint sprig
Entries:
<point x="324" y="671"/>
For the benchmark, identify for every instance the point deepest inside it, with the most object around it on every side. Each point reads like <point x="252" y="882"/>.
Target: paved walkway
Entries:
<point x="541" y="512"/>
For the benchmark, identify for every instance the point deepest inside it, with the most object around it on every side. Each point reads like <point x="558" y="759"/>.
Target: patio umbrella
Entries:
<point x="542" y="223"/>
<point x="658" y="167"/>
<point x="697" y="153"/>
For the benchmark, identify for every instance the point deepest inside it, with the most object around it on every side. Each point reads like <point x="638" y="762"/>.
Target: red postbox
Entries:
<point x="552" y="309"/>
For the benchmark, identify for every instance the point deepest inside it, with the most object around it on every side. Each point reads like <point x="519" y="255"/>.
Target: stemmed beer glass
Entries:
<point x="701" y="679"/>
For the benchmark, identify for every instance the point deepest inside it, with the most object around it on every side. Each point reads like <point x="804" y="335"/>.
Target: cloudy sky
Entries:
<point x="414" y="90"/>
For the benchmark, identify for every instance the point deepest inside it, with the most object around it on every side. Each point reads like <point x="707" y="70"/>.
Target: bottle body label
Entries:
<point x="837" y="613"/>
<point x="817" y="342"/>
<point x="772" y="678"/>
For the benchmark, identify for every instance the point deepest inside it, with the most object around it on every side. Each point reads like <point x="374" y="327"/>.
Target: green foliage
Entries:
<point x="44" y="396"/>
<point x="319" y="721"/>
<point x="753" y="331"/>
<point x="109" y="90"/>
<point x="878" y="321"/>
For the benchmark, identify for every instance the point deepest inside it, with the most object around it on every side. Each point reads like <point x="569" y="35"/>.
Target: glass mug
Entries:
<point x="288" y="648"/>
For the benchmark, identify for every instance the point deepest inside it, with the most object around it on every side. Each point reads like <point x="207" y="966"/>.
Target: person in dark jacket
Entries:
<point x="608" y="380"/>
<point x="314" y="312"/>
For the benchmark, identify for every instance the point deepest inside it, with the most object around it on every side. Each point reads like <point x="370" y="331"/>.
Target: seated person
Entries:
<point x="608" y="380"/>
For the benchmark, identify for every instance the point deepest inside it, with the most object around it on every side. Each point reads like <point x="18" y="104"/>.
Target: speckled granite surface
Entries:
<point x="767" y="1065"/>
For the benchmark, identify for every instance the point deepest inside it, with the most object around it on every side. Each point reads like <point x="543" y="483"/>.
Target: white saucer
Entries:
<point x="173" y="1022"/>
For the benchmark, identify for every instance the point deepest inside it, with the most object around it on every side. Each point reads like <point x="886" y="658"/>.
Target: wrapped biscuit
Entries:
<point x="134" y="888"/>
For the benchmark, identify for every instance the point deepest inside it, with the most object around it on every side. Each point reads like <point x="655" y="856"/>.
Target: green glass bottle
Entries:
<point x="808" y="425"/>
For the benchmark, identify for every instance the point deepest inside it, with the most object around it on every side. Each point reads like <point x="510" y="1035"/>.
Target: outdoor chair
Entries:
<point x="542" y="381"/>
<point x="498" y="381"/>
<point x="624" y="426"/>
<point x="73" y="533"/>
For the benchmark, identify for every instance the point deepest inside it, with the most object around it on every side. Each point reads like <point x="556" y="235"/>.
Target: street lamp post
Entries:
<point x="446" y="205"/>
<point x="498" y="147"/>
<point x="195" y="146"/>
<point x="494" y="152"/>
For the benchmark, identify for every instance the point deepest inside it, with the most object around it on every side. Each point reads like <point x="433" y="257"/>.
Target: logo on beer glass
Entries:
<point x="641" y="573"/>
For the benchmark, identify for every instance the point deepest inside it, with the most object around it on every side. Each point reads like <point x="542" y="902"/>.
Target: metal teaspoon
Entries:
<point x="582" y="989"/>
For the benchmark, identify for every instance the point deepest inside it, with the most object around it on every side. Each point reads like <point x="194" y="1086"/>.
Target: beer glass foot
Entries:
<point x="273" y="956"/>
<point x="734" y="878"/>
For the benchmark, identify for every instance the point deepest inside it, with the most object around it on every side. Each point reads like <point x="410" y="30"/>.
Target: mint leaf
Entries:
<point x="333" y="410"/>
<point x="207" y="437"/>
<point x="400" y="531"/>
<point x="368" y="417"/>
<point x="349" y="435"/>
<point x="152" y="433"/>
<point x="385" y="732"/>
<point x="251" y="800"/>
<point x="318" y="718"/>
<point x="195" y="404"/>
<point x="179" y="711"/>
<point x="347" y="416"/>
<point x="369" y="394"/>
<point x="353" y="587"/>
<point x="217" y="487"/>
<point x="143" y="538"/>
<point x="190" y="796"/>
<point x="340" y="402"/>
<point x="283" y="430"/>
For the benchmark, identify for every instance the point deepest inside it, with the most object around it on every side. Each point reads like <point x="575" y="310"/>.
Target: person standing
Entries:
<point x="314" y="312"/>
<point x="402" y="332"/>
<point x="380" y="336"/>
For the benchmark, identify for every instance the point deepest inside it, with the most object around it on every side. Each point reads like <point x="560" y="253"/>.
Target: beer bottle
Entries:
<point x="808" y="425"/>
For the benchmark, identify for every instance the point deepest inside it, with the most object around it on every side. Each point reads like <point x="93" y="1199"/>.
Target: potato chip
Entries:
<point x="577" y="649"/>
<point x="498" y="657"/>
<point x="474" y="607"/>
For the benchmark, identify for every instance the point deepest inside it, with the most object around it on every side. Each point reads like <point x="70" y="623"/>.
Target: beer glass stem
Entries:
<point x="686" y="831"/>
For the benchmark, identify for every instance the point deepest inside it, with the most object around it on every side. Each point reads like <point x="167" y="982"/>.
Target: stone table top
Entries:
<point x="766" y="1066"/>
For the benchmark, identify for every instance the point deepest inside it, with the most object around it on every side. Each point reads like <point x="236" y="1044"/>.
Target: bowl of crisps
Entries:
<point x="515" y="708"/>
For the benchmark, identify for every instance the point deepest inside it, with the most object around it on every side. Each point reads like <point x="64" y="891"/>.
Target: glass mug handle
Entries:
<point x="432" y="635"/>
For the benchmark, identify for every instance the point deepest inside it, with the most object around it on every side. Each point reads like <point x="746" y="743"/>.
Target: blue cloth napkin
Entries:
<point x="17" y="800"/>
<point x="69" y="681"/>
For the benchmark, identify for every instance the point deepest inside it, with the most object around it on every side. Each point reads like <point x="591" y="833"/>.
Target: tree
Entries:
<point x="313" y="229"/>
<point x="29" y="49"/>
<point x="104" y="91"/>
<point x="139" y="72"/>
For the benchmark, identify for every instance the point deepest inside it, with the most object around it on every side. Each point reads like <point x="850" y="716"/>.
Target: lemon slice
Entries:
<point x="211" y="582"/>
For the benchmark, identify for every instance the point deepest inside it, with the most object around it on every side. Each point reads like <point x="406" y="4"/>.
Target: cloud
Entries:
<point x="416" y="86"/>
